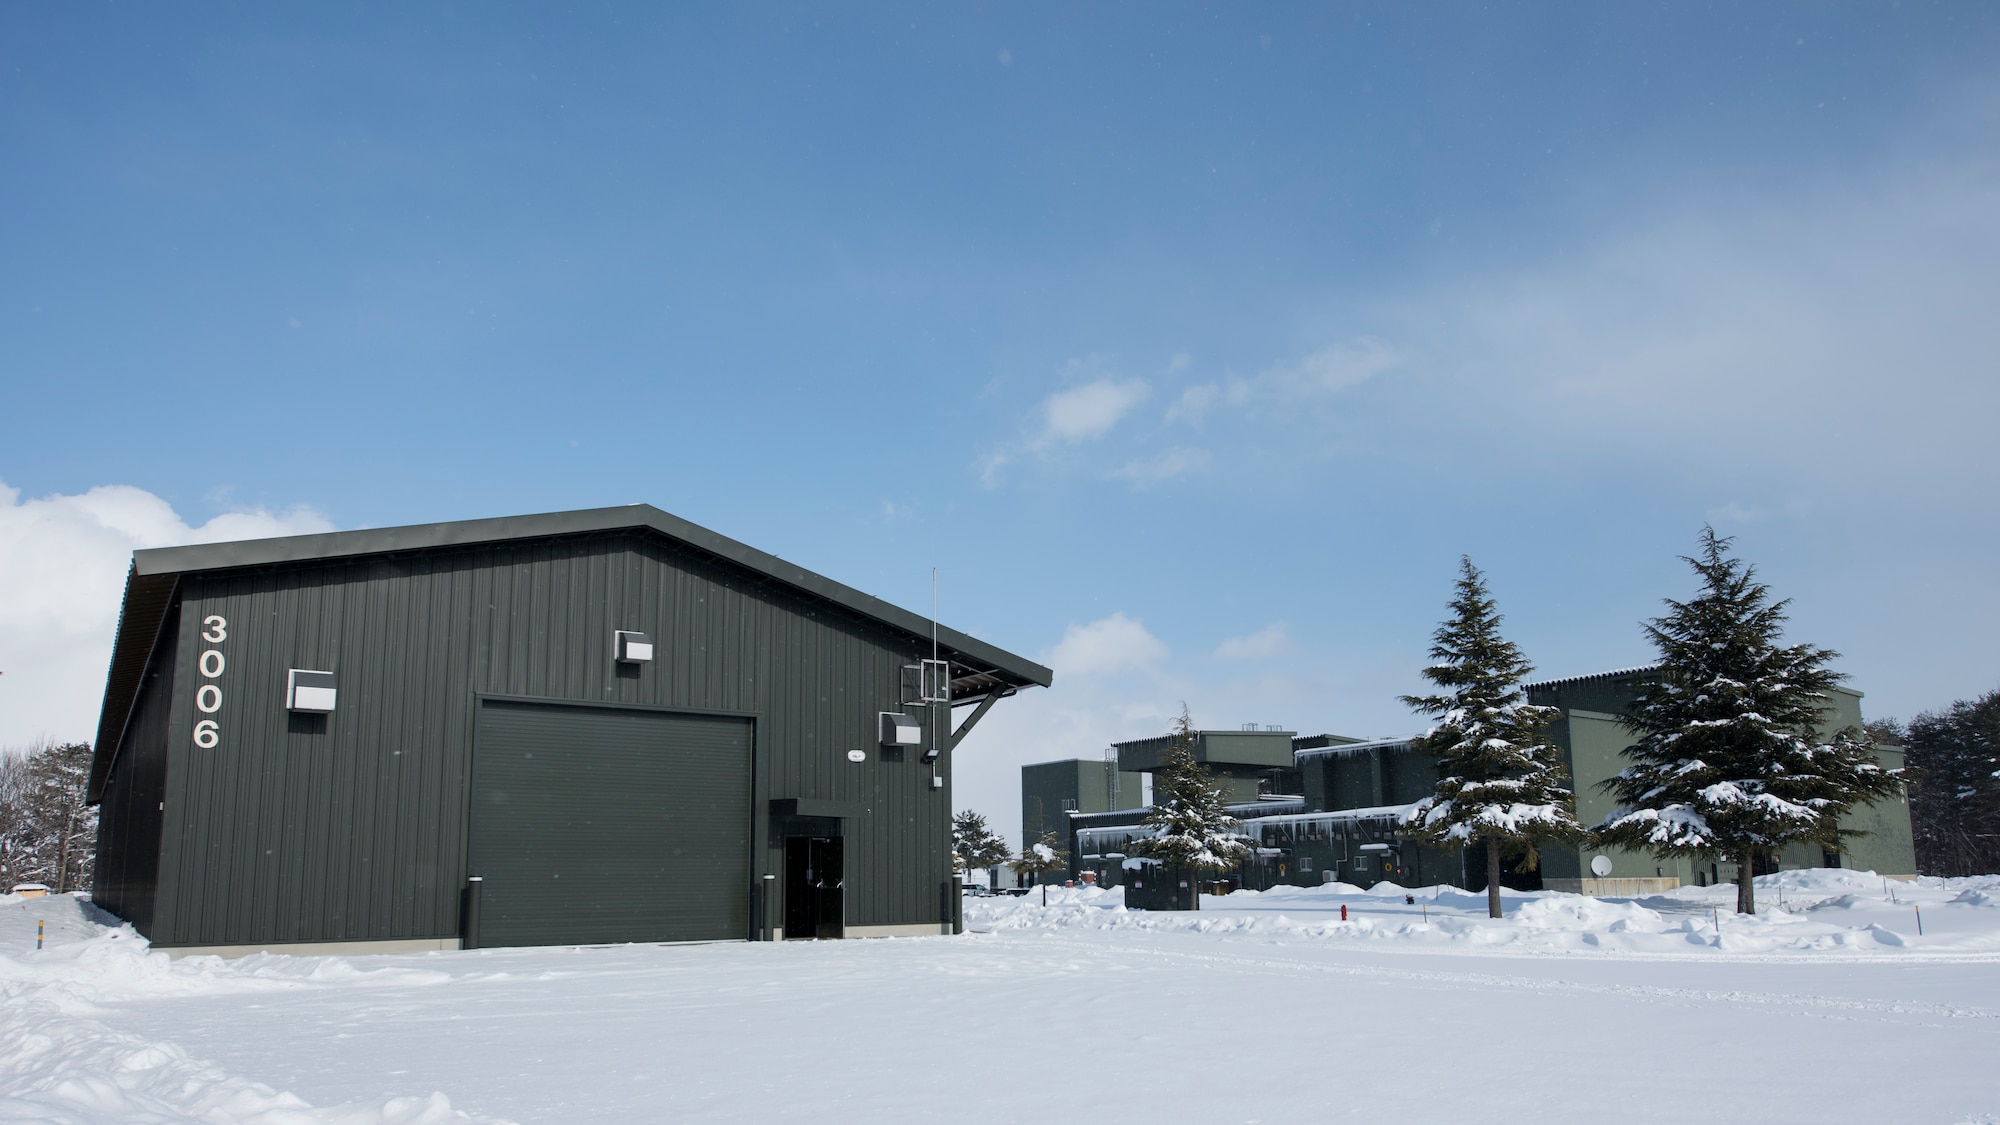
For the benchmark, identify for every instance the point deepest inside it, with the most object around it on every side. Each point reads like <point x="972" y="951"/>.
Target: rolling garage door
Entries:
<point x="594" y="824"/>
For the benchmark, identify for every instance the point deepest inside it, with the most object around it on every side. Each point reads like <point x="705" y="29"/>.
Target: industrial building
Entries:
<point x="1316" y="808"/>
<point x="583" y="727"/>
<point x="1593" y="741"/>
<point x="1335" y="813"/>
<point x="1052" y="790"/>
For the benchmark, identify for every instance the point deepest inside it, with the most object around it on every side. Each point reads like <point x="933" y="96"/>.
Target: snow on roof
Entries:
<point x="1099" y="835"/>
<point x="1075" y="815"/>
<point x="1614" y="673"/>
<point x="1350" y="748"/>
<point x="1325" y="819"/>
<point x="1264" y="807"/>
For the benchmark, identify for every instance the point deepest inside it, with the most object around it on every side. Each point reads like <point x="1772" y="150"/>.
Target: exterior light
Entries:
<point x="631" y="648"/>
<point x="310" y="692"/>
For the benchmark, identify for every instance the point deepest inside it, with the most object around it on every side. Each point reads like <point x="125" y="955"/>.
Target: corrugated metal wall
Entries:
<point x="128" y="822"/>
<point x="352" y="826"/>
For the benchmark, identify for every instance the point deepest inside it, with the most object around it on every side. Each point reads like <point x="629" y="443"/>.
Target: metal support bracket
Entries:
<point x="972" y="720"/>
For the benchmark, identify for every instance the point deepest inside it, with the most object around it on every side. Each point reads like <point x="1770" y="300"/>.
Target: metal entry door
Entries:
<point x="815" y="888"/>
<point x="596" y="824"/>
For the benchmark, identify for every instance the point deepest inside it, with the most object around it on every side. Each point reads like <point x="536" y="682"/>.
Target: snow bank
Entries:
<point x="60" y="1064"/>
<point x="1801" y="914"/>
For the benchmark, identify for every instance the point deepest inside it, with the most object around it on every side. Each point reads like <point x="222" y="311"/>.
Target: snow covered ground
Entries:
<point x="1262" y="1008"/>
<point x="1803" y="913"/>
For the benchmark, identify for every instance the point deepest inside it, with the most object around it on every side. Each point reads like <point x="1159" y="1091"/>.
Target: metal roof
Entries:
<point x="1635" y="670"/>
<point x="980" y="669"/>
<point x="1613" y="674"/>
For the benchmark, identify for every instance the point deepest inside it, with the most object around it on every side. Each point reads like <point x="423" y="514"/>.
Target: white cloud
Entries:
<point x="1843" y="335"/>
<point x="1317" y="377"/>
<point x="1272" y="640"/>
<point x="891" y="512"/>
<point x="62" y="565"/>
<point x="1732" y="513"/>
<point x="1322" y="374"/>
<point x="1090" y="411"/>
<point x="1083" y="413"/>
<point x="989" y="466"/>
<point x="1162" y="466"/>
<point x="1110" y="644"/>
<point x="1194" y="403"/>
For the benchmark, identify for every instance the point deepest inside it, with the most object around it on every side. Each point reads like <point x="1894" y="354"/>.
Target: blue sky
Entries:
<point x="1192" y="344"/>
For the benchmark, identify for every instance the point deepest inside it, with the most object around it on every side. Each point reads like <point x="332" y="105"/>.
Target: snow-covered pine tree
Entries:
<point x="1041" y="857"/>
<point x="19" y="862"/>
<point x="1192" y="828"/>
<point x="47" y="833"/>
<point x="974" y="846"/>
<point x="1500" y="783"/>
<point x="1729" y="760"/>
<point x="64" y="771"/>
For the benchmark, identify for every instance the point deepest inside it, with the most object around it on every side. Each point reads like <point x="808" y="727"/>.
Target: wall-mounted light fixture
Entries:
<point x="308" y="691"/>
<point x="631" y="648"/>
<point x="900" y="730"/>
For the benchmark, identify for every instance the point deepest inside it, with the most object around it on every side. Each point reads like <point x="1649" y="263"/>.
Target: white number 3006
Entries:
<point x="208" y="697"/>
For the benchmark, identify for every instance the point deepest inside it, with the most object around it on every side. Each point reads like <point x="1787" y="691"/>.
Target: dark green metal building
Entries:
<point x="596" y="726"/>
<point x="1052" y="790"/>
<point x="1593" y="741"/>
<point x="1247" y="763"/>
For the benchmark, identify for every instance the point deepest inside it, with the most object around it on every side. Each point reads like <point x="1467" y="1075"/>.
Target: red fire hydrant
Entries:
<point x="1343" y="912"/>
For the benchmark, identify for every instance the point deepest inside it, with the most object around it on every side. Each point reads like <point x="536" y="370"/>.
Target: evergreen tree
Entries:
<point x="1500" y="783"/>
<point x="1192" y="830"/>
<point x="1043" y="856"/>
<point x="1729" y="760"/>
<point x="18" y="858"/>
<point x="1953" y="757"/>
<point x="47" y="833"/>
<point x="974" y="846"/>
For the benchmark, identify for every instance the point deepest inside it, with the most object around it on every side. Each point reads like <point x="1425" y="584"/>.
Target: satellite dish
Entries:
<point x="1601" y="866"/>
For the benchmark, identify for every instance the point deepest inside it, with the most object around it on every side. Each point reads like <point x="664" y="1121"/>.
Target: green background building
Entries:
<point x="1326" y="808"/>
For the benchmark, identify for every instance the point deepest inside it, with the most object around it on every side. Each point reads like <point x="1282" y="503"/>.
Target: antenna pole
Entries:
<point x="934" y="663"/>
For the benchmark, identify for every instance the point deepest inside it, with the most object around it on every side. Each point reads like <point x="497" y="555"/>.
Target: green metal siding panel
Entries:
<point x="1271" y="749"/>
<point x="1264" y="749"/>
<point x="352" y="827"/>
<point x="1354" y="781"/>
<point x="1595" y="743"/>
<point x="1407" y="775"/>
<point x="1045" y="786"/>
<point x="1885" y="844"/>
<point x="1314" y="773"/>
